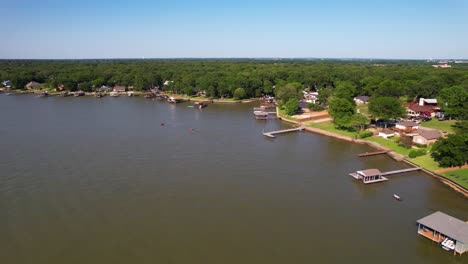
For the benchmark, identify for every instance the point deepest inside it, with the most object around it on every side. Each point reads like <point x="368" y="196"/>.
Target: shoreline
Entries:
<point x="392" y="154"/>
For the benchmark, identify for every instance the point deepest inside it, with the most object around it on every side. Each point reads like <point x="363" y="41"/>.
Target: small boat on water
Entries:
<point x="398" y="198"/>
<point x="43" y="94"/>
<point x="201" y="105"/>
<point x="114" y="94"/>
<point x="79" y="93"/>
<point x="448" y="244"/>
<point x="99" y="95"/>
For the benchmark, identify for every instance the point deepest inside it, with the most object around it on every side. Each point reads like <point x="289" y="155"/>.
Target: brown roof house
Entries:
<point x="120" y="89"/>
<point x="425" y="107"/>
<point x="406" y="126"/>
<point x="32" y="85"/>
<point x="427" y="136"/>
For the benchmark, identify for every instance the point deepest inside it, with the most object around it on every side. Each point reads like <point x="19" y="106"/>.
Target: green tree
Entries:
<point x="451" y="151"/>
<point x="454" y="101"/>
<point x="288" y="91"/>
<point x="386" y="108"/>
<point x="340" y="107"/>
<point x="345" y="89"/>
<point x="291" y="106"/>
<point x="239" y="93"/>
<point x="359" y="121"/>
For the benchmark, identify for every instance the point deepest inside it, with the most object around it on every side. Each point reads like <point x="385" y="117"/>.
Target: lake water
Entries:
<point x="86" y="180"/>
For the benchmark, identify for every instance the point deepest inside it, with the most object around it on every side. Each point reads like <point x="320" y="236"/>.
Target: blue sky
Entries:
<point x="412" y="29"/>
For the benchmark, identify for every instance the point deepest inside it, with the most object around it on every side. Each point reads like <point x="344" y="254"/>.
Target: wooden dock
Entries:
<point x="400" y="171"/>
<point x="366" y="154"/>
<point x="375" y="176"/>
<point x="272" y="134"/>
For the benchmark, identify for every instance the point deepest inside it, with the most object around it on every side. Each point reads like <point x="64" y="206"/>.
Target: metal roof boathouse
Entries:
<point x="443" y="228"/>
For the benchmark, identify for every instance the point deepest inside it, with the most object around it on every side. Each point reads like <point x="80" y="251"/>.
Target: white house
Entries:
<point x="386" y="133"/>
<point x="362" y="99"/>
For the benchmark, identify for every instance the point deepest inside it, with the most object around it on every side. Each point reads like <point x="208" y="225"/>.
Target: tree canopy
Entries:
<point x="386" y="108"/>
<point x="451" y="151"/>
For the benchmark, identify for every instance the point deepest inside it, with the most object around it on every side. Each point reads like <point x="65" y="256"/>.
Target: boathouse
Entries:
<point x="369" y="176"/>
<point x="440" y="228"/>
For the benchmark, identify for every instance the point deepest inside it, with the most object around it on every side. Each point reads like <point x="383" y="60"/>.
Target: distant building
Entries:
<point x="167" y="82"/>
<point x="120" y="89"/>
<point x="105" y="89"/>
<point x="442" y="65"/>
<point x="362" y="99"/>
<point x="32" y="85"/>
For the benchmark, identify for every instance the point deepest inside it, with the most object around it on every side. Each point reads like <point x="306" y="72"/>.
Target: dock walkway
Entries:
<point x="400" y="171"/>
<point x="272" y="134"/>
<point x="366" y="154"/>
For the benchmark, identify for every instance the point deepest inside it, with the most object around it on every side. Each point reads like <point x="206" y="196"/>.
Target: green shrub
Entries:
<point x="365" y="133"/>
<point x="416" y="153"/>
<point x="315" y="107"/>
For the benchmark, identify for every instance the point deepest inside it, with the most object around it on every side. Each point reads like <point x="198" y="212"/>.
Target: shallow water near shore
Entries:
<point x="86" y="180"/>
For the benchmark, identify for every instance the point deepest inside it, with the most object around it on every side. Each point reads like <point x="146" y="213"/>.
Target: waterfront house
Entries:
<point x="369" y="176"/>
<point x="426" y="136"/>
<point x="386" y="133"/>
<point x="105" y="89"/>
<point x="362" y="99"/>
<point x="120" y="89"/>
<point x="32" y="85"/>
<point x="443" y="229"/>
<point x="406" y="127"/>
<point x="423" y="108"/>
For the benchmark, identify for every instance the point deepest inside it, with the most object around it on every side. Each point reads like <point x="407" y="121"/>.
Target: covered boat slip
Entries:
<point x="369" y="176"/>
<point x="439" y="226"/>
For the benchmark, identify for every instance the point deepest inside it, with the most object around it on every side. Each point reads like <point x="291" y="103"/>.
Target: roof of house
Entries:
<point x="32" y="84"/>
<point x="370" y="172"/>
<point x="363" y="98"/>
<point x="447" y="225"/>
<point x="407" y="123"/>
<point x="387" y="131"/>
<point x="120" y="88"/>
<point x="430" y="101"/>
<point x="421" y="108"/>
<point x="429" y="133"/>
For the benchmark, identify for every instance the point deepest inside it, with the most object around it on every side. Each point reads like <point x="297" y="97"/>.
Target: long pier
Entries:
<point x="272" y="134"/>
<point x="366" y="154"/>
<point x="400" y="171"/>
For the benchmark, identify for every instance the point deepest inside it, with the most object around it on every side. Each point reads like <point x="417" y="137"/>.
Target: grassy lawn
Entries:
<point x="390" y="144"/>
<point x="445" y="125"/>
<point x="285" y="116"/>
<point x="363" y="109"/>
<point x="426" y="162"/>
<point x="329" y="126"/>
<point x="458" y="176"/>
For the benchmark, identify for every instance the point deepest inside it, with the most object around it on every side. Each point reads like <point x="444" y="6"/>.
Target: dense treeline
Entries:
<point x="221" y="78"/>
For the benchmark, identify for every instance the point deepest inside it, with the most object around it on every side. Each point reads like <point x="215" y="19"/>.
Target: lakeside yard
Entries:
<point x="329" y="126"/>
<point x="446" y="125"/>
<point x="458" y="176"/>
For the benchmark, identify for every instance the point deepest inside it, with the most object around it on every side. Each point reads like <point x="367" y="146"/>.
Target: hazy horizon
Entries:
<point x="181" y="29"/>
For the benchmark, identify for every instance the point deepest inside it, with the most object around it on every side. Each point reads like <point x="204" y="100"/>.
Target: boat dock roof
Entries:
<point x="447" y="225"/>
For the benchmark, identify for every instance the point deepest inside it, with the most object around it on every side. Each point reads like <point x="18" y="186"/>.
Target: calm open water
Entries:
<point x="86" y="180"/>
